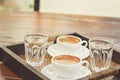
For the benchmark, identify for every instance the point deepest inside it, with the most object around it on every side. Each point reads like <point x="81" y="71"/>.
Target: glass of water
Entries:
<point x="101" y="50"/>
<point x="34" y="48"/>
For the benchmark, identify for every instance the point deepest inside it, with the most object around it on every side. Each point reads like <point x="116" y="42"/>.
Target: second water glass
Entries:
<point x="101" y="50"/>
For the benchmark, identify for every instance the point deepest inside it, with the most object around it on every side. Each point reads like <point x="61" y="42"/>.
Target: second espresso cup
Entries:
<point x="68" y="65"/>
<point x="70" y="42"/>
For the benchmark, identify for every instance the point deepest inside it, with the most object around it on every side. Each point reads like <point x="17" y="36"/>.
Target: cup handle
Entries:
<point x="84" y="42"/>
<point x="86" y="63"/>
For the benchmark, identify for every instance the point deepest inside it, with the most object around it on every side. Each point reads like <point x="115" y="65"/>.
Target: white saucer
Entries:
<point x="82" y="51"/>
<point x="52" y="74"/>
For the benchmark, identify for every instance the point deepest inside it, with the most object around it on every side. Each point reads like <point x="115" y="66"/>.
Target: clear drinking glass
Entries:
<point x="101" y="50"/>
<point x="34" y="48"/>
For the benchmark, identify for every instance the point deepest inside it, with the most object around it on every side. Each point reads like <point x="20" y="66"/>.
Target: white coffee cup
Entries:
<point x="68" y="65"/>
<point x="70" y="42"/>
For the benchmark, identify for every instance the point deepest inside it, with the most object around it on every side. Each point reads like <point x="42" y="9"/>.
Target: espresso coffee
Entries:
<point x="66" y="59"/>
<point x="69" y="39"/>
<point x="68" y="65"/>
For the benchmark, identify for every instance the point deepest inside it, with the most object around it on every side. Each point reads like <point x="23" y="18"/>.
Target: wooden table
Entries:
<point x="14" y="25"/>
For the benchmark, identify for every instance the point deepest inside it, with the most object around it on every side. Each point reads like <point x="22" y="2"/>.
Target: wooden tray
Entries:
<point x="13" y="57"/>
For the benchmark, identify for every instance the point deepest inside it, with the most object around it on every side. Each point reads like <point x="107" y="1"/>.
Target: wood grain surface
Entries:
<point x="14" y="25"/>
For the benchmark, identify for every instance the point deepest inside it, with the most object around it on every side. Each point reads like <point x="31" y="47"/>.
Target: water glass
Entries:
<point x="101" y="50"/>
<point x="35" y="48"/>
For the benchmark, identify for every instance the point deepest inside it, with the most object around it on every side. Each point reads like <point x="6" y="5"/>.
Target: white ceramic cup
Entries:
<point x="70" y="42"/>
<point x="68" y="65"/>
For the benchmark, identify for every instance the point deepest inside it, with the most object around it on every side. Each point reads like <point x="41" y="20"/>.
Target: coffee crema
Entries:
<point x="66" y="59"/>
<point x="69" y="39"/>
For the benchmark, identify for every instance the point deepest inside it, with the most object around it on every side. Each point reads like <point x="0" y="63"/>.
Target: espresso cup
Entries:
<point x="68" y="66"/>
<point x="70" y="42"/>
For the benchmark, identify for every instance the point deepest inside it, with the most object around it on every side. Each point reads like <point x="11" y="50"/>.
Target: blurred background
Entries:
<point x="108" y="8"/>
